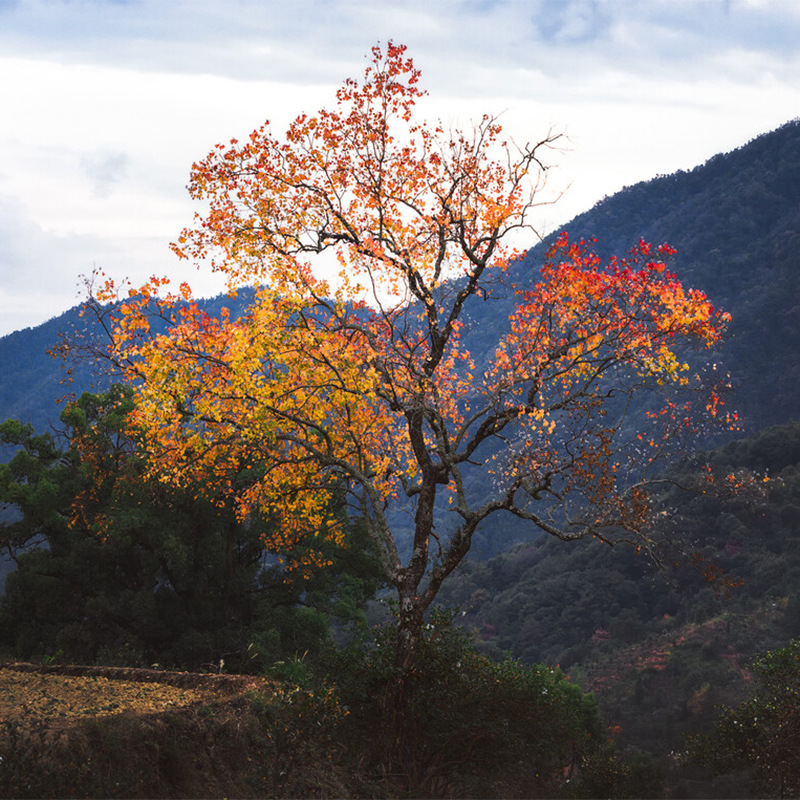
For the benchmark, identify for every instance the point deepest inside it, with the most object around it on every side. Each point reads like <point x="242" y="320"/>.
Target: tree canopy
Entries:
<point x="358" y="382"/>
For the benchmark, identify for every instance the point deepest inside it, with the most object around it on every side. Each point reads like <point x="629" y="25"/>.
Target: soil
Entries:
<point x="31" y="692"/>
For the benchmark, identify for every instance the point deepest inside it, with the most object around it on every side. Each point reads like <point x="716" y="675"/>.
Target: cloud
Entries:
<point x="42" y="271"/>
<point x="106" y="104"/>
<point x="572" y="21"/>
<point x="104" y="170"/>
<point x="38" y="275"/>
<point x="456" y="41"/>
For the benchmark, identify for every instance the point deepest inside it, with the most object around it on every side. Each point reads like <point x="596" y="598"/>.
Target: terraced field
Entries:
<point x="35" y="693"/>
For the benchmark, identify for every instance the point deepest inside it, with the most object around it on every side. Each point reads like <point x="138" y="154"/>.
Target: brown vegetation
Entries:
<point x="124" y="683"/>
<point x="68" y="731"/>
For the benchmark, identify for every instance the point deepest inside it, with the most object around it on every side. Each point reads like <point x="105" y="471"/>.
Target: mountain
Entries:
<point x="734" y="220"/>
<point x="31" y="382"/>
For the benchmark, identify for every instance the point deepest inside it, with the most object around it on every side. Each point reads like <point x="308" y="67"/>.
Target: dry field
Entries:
<point x="29" y="696"/>
<point x="69" y="731"/>
<point x="32" y="693"/>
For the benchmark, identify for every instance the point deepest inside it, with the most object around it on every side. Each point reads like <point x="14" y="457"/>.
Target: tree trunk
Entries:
<point x="399" y="691"/>
<point x="411" y="615"/>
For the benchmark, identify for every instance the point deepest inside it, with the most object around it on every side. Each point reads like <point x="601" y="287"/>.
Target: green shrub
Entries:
<point x="761" y="735"/>
<point x="474" y="726"/>
<point x="300" y="738"/>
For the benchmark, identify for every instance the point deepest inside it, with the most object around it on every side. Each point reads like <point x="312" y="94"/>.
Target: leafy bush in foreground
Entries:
<point x="475" y="727"/>
<point x="761" y="735"/>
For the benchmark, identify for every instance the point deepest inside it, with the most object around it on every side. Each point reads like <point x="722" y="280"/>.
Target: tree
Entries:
<point x="114" y="566"/>
<point x="362" y="383"/>
<point x="32" y="488"/>
<point x="763" y="733"/>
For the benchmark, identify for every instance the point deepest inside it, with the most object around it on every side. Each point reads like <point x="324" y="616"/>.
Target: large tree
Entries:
<point x="348" y="372"/>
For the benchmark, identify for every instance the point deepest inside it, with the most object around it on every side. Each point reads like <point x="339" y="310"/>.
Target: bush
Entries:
<point x="761" y="735"/>
<point x="300" y="727"/>
<point x="475" y="727"/>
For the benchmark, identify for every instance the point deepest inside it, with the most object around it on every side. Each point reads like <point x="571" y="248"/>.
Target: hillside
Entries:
<point x="32" y="381"/>
<point x="659" y="650"/>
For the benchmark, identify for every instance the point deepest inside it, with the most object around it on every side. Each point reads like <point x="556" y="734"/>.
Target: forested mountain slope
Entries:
<point x="660" y="650"/>
<point x="735" y="222"/>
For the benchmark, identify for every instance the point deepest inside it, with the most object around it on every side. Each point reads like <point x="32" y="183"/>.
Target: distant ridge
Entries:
<point x="735" y="221"/>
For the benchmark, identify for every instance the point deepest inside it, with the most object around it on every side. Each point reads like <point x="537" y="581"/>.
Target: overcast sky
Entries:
<point x="105" y="104"/>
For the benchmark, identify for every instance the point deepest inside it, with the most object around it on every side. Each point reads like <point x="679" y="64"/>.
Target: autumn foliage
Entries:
<point x="371" y="236"/>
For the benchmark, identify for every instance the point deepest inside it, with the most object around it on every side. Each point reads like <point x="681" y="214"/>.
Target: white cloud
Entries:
<point x="106" y="104"/>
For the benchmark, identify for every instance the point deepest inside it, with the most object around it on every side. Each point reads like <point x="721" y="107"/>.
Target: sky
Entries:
<point x="105" y="104"/>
